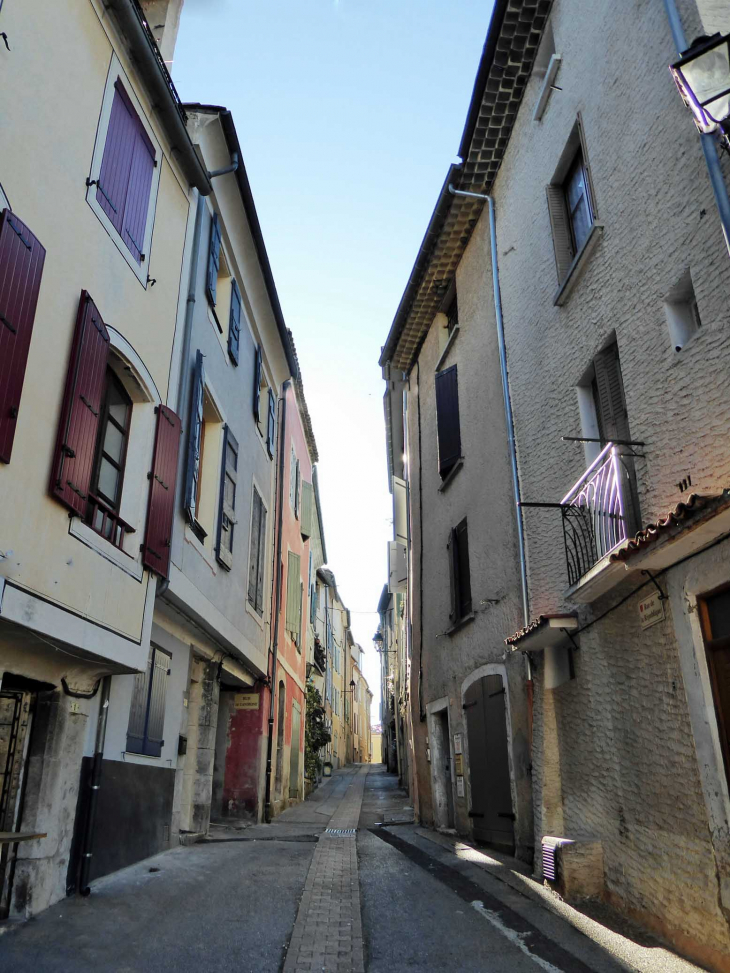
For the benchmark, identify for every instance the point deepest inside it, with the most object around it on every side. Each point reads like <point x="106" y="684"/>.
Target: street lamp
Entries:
<point x="378" y="641"/>
<point x="702" y="76"/>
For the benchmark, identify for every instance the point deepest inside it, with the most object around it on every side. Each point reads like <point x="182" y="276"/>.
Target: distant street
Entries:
<point x="209" y="906"/>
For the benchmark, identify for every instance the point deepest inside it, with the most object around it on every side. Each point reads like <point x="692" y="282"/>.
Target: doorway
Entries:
<point x="296" y="732"/>
<point x="491" y="809"/>
<point x="15" y="722"/>
<point x="280" y="739"/>
<point x="443" y="791"/>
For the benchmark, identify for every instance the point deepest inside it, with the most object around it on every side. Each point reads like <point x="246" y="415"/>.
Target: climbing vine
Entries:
<point x="316" y="733"/>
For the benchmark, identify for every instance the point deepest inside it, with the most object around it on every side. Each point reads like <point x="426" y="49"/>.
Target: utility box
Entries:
<point x="574" y="867"/>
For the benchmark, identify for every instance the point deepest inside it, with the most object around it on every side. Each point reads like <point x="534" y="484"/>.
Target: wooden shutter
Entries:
<point x="611" y="405"/>
<point x="73" y="460"/>
<point x="234" y="323"/>
<point x="292" y="594"/>
<point x="254" y="547"/>
<point x="137" y="202"/>
<point x="261" y="559"/>
<point x="562" y="237"/>
<point x="463" y="573"/>
<point x="271" y="429"/>
<point x="227" y="505"/>
<point x="297" y="489"/>
<point x="154" y="736"/>
<point x="214" y="260"/>
<point x="116" y="163"/>
<point x="301" y="610"/>
<point x="400" y="510"/>
<point x="138" y="709"/>
<point x="163" y="479"/>
<point x="21" y="268"/>
<point x="447" y="419"/>
<point x="257" y="385"/>
<point x="195" y="433"/>
<point x="307" y="509"/>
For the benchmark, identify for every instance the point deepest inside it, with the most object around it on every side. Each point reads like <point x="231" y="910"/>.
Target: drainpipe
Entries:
<point x="277" y="569"/>
<point x="709" y="145"/>
<point x="231" y="168"/>
<point x="94" y="787"/>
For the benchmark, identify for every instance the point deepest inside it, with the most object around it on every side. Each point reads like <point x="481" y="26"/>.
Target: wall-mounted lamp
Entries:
<point x="702" y="76"/>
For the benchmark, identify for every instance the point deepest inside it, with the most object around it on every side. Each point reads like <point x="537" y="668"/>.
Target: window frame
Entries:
<point x="462" y="608"/>
<point x="112" y="379"/>
<point x="114" y="74"/>
<point x="578" y="166"/>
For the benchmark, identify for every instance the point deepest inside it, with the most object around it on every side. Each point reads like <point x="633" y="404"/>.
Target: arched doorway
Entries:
<point x="280" y="738"/>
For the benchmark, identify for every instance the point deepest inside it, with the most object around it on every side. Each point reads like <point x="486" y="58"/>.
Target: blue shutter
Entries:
<point x="234" y="323"/>
<point x="257" y="384"/>
<point x="214" y="259"/>
<point x="271" y="430"/>
<point x="195" y="432"/>
<point x="227" y="505"/>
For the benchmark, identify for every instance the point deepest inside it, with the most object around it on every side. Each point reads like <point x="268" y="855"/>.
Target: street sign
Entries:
<point x="651" y="610"/>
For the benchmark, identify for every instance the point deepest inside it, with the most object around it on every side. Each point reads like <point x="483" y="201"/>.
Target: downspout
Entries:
<point x="277" y="568"/>
<point x="226" y="169"/>
<point x="421" y="710"/>
<point x="709" y="146"/>
<point x="94" y="787"/>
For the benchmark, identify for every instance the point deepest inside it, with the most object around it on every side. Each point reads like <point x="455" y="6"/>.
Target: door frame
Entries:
<point x="491" y="669"/>
<point x="438" y="785"/>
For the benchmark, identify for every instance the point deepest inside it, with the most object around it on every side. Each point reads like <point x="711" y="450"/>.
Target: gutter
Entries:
<point x="148" y="61"/>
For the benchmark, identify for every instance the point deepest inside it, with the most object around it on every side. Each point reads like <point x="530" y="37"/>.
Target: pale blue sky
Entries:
<point x="349" y="113"/>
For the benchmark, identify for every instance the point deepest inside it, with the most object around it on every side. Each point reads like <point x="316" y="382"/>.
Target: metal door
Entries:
<point x="491" y="792"/>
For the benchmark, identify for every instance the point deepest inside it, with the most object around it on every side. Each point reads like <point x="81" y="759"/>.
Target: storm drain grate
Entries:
<point x="349" y="832"/>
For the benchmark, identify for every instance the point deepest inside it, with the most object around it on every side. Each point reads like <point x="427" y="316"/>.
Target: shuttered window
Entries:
<point x="145" y="733"/>
<point x="234" y="323"/>
<point x="214" y="260"/>
<point x="111" y="449"/>
<point x="447" y="419"/>
<point x="293" y="602"/>
<point x="715" y="619"/>
<point x="458" y="550"/>
<point x="301" y="616"/>
<point x="21" y="269"/>
<point x="125" y="180"/>
<point x="571" y="205"/>
<point x="307" y="517"/>
<point x="297" y="489"/>
<point x="271" y="427"/>
<point x="195" y="439"/>
<point x="608" y="394"/>
<point x="257" y="554"/>
<point x="257" y="384"/>
<point x="163" y="479"/>
<point x="292" y="477"/>
<point x="73" y="461"/>
<point x="227" y="503"/>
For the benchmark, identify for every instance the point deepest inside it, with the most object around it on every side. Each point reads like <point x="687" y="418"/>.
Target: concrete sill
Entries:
<point x="576" y="269"/>
<point x="457" y="626"/>
<point x="451" y="474"/>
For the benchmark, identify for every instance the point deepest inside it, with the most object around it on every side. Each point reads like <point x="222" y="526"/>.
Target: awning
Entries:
<point x="544" y="632"/>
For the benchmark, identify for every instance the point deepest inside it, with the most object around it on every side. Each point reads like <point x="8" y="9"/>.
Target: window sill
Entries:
<point x="457" y="626"/>
<point x="447" y="348"/>
<point x="576" y="269"/>
<point x="88" y="536"/>
<point x="451" y="474"/>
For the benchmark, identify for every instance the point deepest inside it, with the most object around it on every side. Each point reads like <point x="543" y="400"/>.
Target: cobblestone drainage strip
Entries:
<point x="343" y="832"/>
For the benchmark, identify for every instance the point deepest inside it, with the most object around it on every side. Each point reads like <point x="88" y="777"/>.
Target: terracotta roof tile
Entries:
<point x="686" y="514"/>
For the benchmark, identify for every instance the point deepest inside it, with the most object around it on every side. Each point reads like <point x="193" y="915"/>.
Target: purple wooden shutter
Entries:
<point x="447" y="419"/>
<point x="21" y="268"/>
<point x="73" y="460"/>
<point x="163" y="478"/>
<point x="111" y="186"/>
<point x="138" y="193"/>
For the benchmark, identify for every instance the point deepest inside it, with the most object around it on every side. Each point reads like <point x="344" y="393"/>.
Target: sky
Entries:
<point x="349" y="113"/>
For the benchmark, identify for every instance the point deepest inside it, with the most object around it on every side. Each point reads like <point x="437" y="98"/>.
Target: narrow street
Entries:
<point x="209" y="906"/>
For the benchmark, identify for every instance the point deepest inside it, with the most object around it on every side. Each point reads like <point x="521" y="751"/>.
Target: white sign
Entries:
<point x="459" y="786"/>
<point x="651" y="610"/>
<point x="457" y="743"/>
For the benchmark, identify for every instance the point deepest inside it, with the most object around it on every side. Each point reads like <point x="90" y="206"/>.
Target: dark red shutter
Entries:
<point x="73" y="460"/>
<point x="447" y="419"/>
<point x="21" y="267"/>
<point x="163" y="478"/>
<point x="111" y="186"/>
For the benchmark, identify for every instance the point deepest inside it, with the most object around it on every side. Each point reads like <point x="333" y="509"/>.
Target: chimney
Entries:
<point x="163" y="18"/>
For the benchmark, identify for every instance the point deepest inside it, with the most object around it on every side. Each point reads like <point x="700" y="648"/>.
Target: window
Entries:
<point x="109" y="457"/>
<point x="715" y="619"/>
<point x="271" y="427"/>
<point x="447" y="420"/>
<point x="307" y="512"/>
<point x="227" y="504"/>
<point x="147" y="712"/>
<point x="257" y="556"/>
<point x="204" y="441"/>
<point x="257" y="373"/>
<point x="452" y="315"/>
<point x="608" y="396"/>
<point x="458" y="550"/>
<point x="578" y="203"/>
<point x="124" y="177"/>
<point x="293" y="597"/>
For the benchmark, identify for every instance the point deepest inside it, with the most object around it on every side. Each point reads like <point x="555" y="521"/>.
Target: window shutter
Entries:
<point x="400" y="510"/>
<point x="214" y="260"/>
<point x="138" y="193"/>
<point x="301" y="609"/>
<point x="271" y="430"/>
<point x="195" y="432"/>
<point x="257" y="384"/>
<point x="262" y="559"/>
<point x="73" y="460"/>
<point x="562" y="238"/>
<point x="163" y="479"/>
<point x="451" y="549"/>
<point x="297" y="489"/>
<point x="234" y="323"/>
<point x="292" y="594"/>
<point x="447" y="419"/>
<point x="138" y="709"/>
<point x="254" y="548"/>
<point x="21" y="268"/>
<point x="464" y="575"/>
<point x="116" y="163"/>
<point x="227" y="505"/>
<point x="154" y="737"/>
<point x="307" y="509"/>
<point x="611" y="405"/>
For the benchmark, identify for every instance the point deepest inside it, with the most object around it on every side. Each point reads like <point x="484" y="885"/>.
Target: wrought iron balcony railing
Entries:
<point x="597" y="512"/>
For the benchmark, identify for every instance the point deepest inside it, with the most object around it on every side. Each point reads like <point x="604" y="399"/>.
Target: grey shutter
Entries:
<point x="262" y="559"/>
<point x="214" y="260"/>
<point x="292" y="594"/>
<point x="301" y="609"/>
<point x="234" y="323"/>
<point x="195" y="432"/>
<point x="610" y="404"/>
<point x="154" y="737"/>
<point x="254" y="548"/>
<point x="257" y="385"/>
<point x="271" y="429"/>
<point x="447" y="419"/>
<point x="227" y="504"/>
<point x="297" y="489"/>
<point x="464" y="575"/>
<point x="560" y="225"/>
<point x="307" y="509"/>
<point x="138" y="709"/>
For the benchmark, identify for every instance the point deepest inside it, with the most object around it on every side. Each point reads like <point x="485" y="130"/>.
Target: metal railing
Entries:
<point x="105" y="521"/>
<point x="597" y="512"/>
<point x="142" y="16"/>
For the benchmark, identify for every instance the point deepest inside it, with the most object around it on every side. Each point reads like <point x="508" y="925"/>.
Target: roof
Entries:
<point x="244" y="187"/>
<point x="303" y="408"/>
<point x="514" y="35"/>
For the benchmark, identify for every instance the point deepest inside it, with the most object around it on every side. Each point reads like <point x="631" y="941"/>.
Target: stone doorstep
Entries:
<point x="188" y="838"/>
